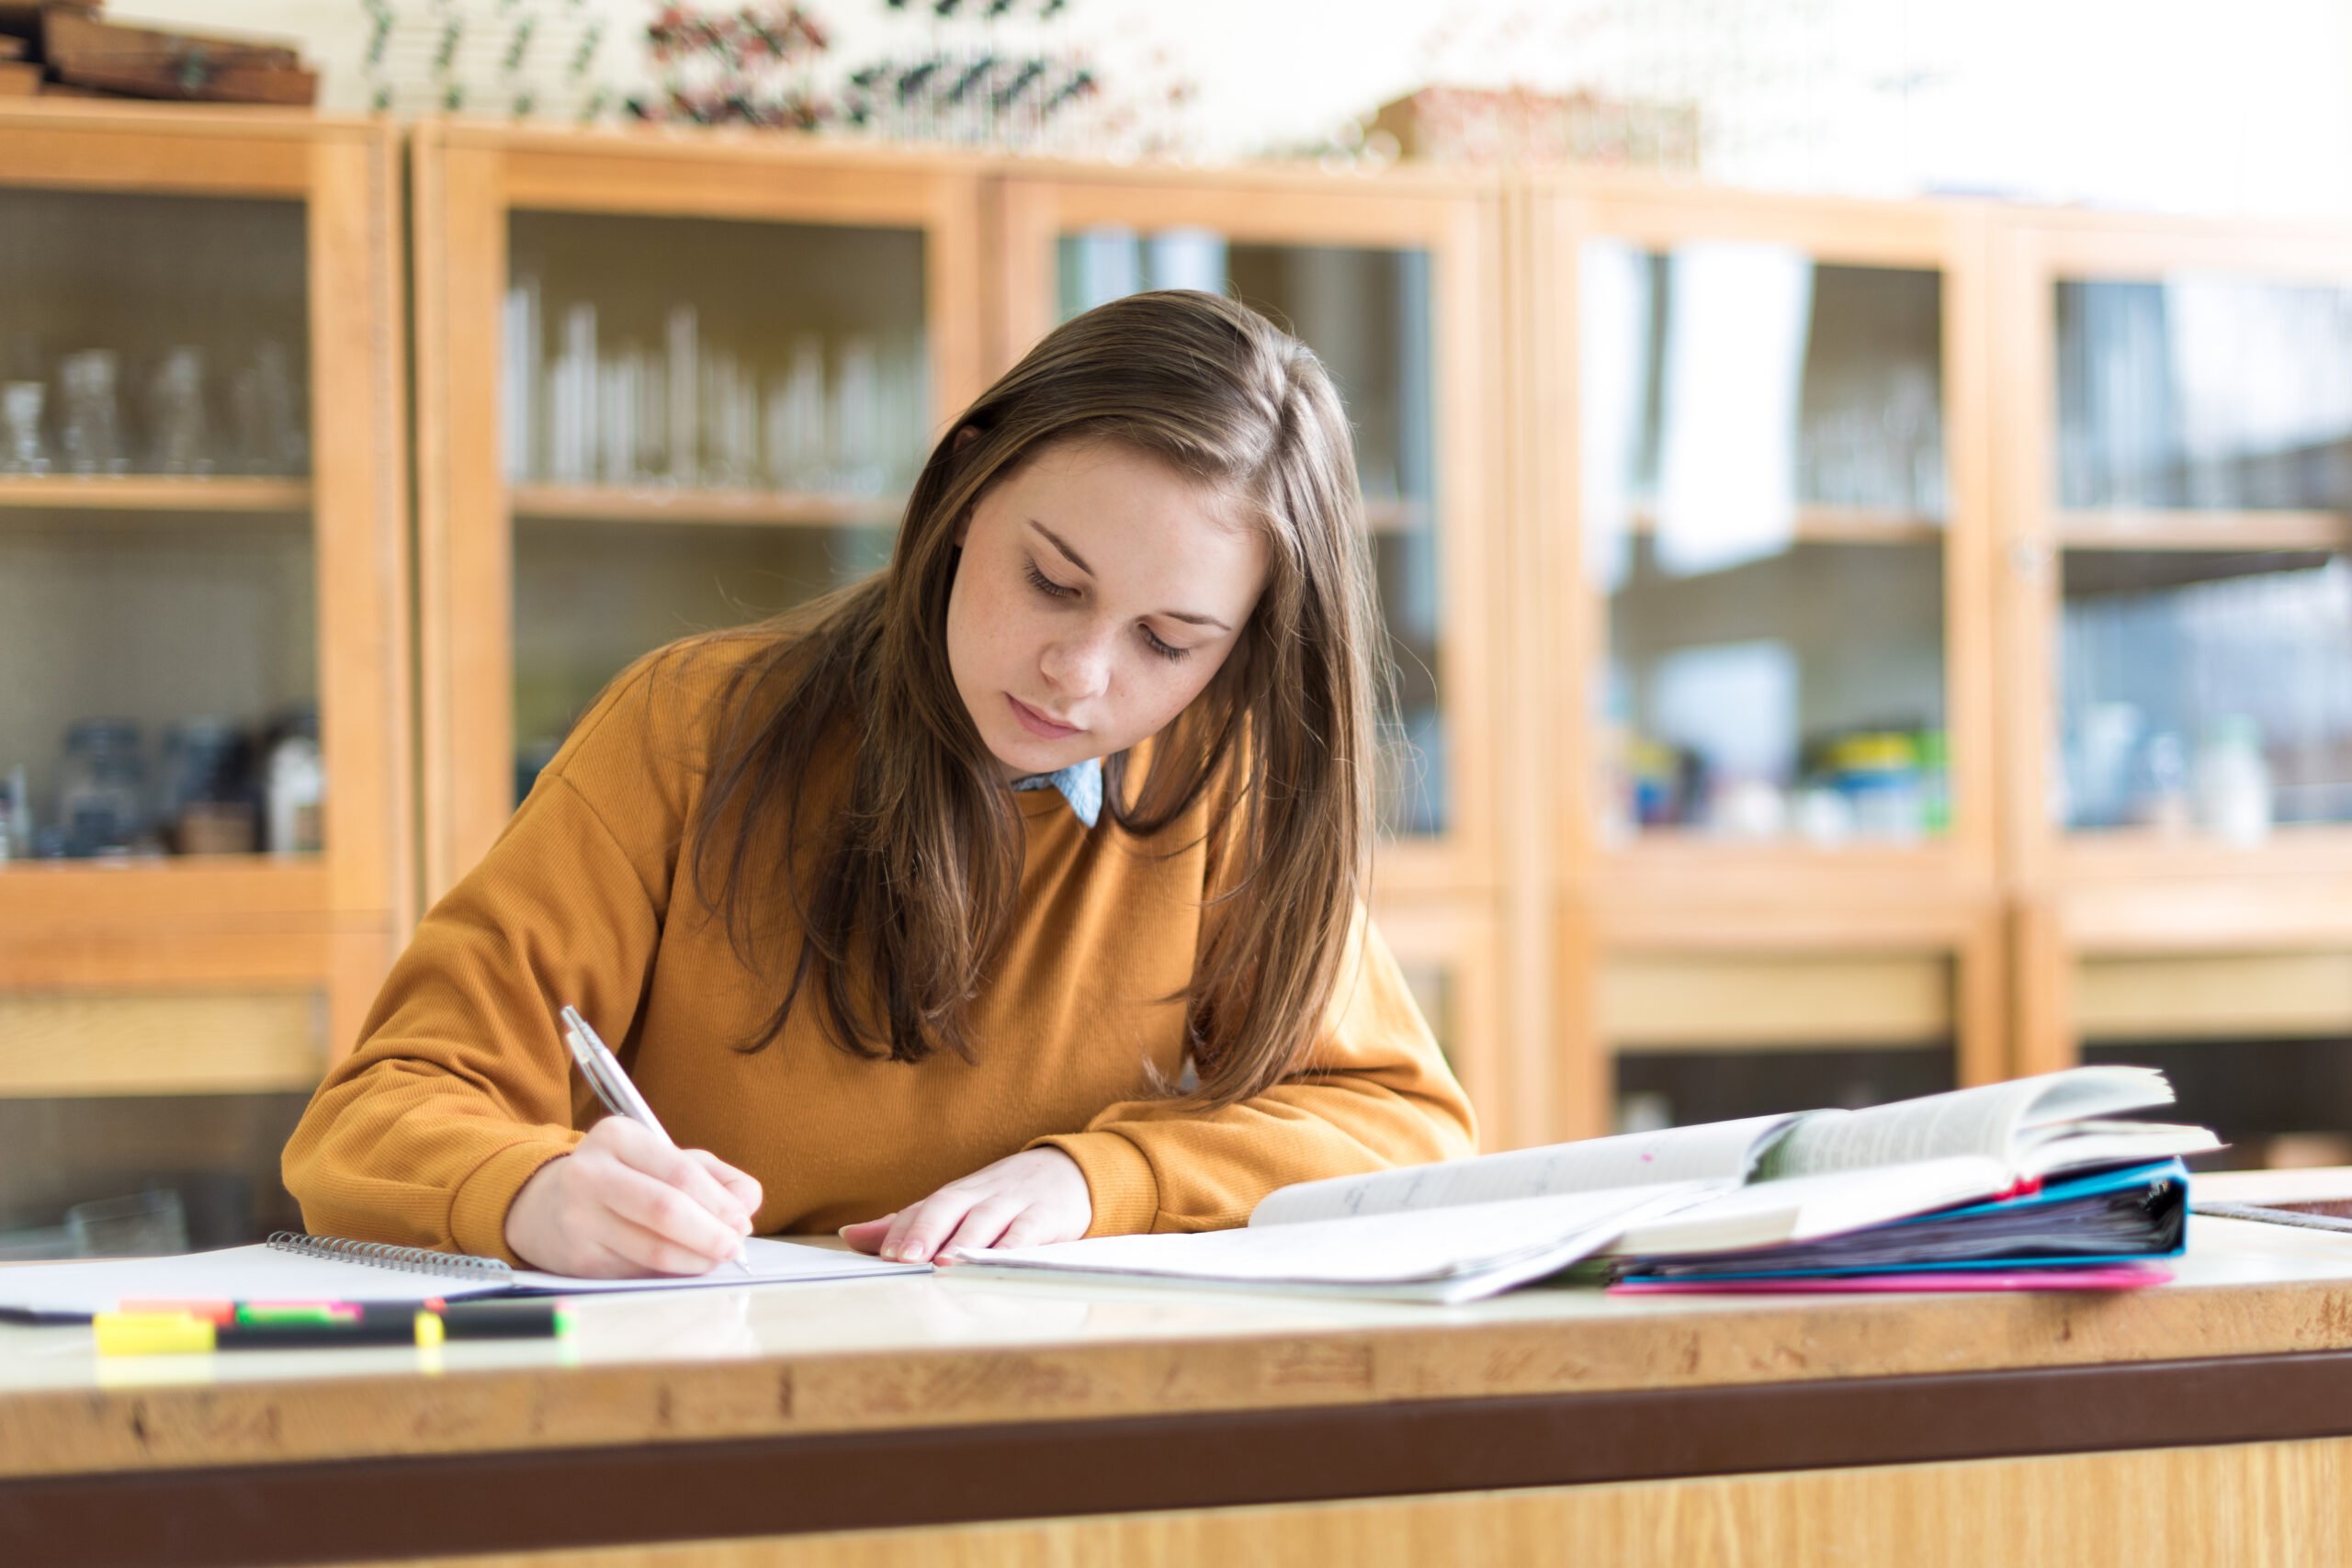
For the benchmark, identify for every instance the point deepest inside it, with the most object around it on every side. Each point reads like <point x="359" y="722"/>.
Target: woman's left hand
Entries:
<point x="1026" y="1199"/>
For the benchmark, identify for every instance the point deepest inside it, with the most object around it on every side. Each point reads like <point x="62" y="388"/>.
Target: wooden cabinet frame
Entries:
<point x="2124" y="892"/>
<point x="470" y="177"/>
<point x="327" y="923"/>
<point x="1658" y="893"/>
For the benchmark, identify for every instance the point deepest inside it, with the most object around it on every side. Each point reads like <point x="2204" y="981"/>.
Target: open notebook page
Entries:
<point x="1390" y="1249"/>
<point x="271" y="1274"/>
<point x="1719" y="1152"/>
<point x="1986" y="1121"/>
<point x="771" y="1262"/>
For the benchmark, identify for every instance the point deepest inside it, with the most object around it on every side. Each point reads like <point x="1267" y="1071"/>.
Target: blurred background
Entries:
<point x="1860" y="491"/>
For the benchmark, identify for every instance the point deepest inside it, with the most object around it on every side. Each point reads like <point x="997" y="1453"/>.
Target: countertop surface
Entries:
<point x="969" y="1346"/>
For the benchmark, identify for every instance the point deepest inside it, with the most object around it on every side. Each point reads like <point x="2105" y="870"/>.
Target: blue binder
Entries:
<point x="2128" y="1215"/>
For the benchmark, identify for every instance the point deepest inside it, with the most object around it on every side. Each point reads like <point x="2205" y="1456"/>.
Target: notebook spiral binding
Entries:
<point x="384" y="1255"/>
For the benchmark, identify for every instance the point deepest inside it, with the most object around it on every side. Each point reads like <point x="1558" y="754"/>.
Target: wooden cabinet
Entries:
<point x="1760" y="517"/>
<point x="203" y="549"/>
<point x="2175" y="474"/>
<point x="1843" y="648"/>
<point x="665" y="384"/>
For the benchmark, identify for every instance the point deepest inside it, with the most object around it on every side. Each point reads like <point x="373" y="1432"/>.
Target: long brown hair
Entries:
<point x="904" y="897"/>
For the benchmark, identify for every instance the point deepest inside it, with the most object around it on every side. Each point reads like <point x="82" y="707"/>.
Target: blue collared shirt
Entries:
<point x="1080" y="785"/>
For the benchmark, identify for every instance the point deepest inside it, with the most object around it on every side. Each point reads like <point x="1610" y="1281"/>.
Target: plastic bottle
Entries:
<point x="297" y="788"/>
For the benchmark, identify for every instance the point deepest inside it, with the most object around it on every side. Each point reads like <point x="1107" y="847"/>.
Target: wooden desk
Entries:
<point x="982" y="1419"/>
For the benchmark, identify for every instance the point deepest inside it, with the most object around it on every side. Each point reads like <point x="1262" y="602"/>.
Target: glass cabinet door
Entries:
<point x="2176" y="474"/>
<point x="2202" y="471"/>
<point x="158" y="601"/>
<point x="1376" y="290"/>
<point x="706" y="422"/>
<point x="701" y="388"/>
<point x="204" y="802"/>
<point x="1366" y="311"/>
<point x="1764" y="507"/>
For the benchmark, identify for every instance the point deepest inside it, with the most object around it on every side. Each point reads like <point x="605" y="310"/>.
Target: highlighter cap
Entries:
<point x="153" y="1334"/>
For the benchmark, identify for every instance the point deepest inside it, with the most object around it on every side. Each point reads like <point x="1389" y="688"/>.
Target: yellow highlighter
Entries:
<point x="183" y="1333"/>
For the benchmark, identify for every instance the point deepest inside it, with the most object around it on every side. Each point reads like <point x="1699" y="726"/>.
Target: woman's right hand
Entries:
<point x="623" y="1203"/>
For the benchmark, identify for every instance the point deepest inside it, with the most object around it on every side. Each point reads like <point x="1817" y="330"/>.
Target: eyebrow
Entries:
<point x="1079" y="562"/>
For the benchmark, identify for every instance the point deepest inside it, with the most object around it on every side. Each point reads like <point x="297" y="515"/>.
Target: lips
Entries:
<point x="1037" y="723"/>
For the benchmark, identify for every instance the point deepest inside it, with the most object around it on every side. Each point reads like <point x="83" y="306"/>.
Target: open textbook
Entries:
<point x="1462" y="1229"/>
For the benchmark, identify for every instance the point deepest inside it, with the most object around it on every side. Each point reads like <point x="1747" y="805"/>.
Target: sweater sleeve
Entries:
<point x="1374" y="1092"/>
<point x="460" y="1087"/>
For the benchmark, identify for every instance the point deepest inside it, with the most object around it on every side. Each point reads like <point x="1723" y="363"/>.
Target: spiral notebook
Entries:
<point x="292" y="1267"/>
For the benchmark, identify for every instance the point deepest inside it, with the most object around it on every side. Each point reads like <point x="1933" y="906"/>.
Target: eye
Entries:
<point x="1047" y="585"/>
<point x="1151" y="640"/>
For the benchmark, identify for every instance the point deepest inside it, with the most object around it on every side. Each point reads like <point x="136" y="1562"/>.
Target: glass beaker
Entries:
<point x="90" y="426"/>
<point x="22" y="451"/>
<point x="176" y="414"/>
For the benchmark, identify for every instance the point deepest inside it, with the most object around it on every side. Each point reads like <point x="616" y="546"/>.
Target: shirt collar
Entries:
<point x="1081" y="783"/>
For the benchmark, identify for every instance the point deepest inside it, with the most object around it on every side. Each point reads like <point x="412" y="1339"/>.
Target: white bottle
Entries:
<point x="2232" y="783"/>
<point x="297" y="787"/>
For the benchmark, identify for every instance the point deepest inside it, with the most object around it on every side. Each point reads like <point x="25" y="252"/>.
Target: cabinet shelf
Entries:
<point x="154" y="493"/>
<point x="786" y="509"/>
<point x="2162" y="528"/>
<point x="151" y="888"/>
<point x="1818" y="522"/>
<point x="757" y="508"/>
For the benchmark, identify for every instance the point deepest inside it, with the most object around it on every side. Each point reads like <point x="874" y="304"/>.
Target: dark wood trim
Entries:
<point x="558" y="1498"/>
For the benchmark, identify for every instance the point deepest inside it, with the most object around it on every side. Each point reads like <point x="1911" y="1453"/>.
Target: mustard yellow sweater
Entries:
<point x="461" y="1087"/>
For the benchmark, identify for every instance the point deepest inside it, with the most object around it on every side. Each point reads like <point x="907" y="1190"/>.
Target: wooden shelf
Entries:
<point x="787" y="509"/>
<point x="1819" y="524"/>
<point x="2299" y="849"/>
<point x="770" y="508"/>
<point x="36" y="895"/>
<point x="154" y="493"/>
<point x="2153" y="528"/>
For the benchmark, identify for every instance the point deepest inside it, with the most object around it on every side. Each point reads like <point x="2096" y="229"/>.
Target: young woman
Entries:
<point x="1012" y="895"/>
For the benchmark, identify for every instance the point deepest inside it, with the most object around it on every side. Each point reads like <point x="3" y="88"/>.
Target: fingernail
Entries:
<point x="912" y="1254"/>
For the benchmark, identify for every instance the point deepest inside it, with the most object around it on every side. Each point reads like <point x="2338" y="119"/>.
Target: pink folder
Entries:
<point x="2111" y="1276"/>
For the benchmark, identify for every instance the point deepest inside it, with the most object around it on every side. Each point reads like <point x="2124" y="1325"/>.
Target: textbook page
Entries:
<point x="1479" y="1247"/>
<point x="1717" y="1152"/>
<point x="1985" y="1120"/>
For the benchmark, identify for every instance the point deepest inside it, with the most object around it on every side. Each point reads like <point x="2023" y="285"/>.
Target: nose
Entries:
<point x="1076" y="667"/>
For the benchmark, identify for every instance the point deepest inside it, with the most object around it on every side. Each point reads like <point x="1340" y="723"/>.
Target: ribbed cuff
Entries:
<point x="1118" y="1178"/>
<point x="478" y="1211"/>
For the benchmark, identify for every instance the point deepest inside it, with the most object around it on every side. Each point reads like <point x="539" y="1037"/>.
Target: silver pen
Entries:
<point x="602" y="1071"/>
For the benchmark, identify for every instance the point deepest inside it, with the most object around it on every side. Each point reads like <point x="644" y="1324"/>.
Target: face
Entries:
<point x="1098" y="594"/>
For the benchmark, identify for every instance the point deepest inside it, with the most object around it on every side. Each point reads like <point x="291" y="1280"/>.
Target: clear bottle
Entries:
<point x="102" y="788"/>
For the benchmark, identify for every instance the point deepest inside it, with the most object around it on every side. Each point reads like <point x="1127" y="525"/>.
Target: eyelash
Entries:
<point x="1053" y="589"/>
